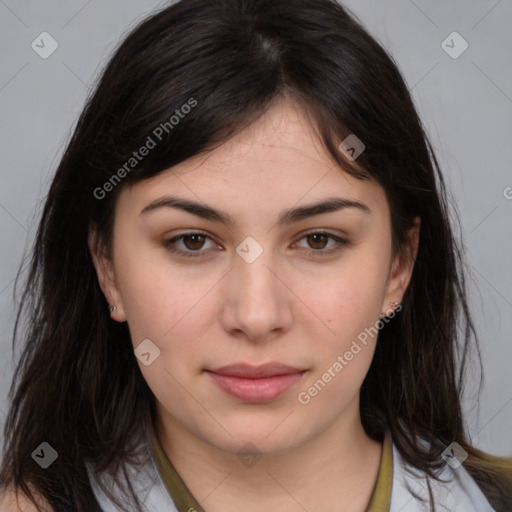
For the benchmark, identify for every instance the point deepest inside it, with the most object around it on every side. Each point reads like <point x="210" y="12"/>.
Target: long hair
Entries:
<point x="77" y="384"/>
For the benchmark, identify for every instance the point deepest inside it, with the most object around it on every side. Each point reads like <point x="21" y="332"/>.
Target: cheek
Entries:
<point x="352" y="306"/>
<point x="164" y="302"/>
<point x="166" y="308"/>
<point x="349" y="304"/>
<point x="351" y="299"/>
<point x="170" y="307"/>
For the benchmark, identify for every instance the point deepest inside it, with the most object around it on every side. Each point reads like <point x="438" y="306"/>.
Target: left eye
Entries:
<point x="321" y="238"/>
<point x="194" y="242"/>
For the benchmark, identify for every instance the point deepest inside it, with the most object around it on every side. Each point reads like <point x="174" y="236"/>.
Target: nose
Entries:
<point x="257" y="304"/>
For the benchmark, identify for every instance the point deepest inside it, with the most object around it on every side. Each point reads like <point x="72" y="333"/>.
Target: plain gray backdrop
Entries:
<point x="464" y="99"/>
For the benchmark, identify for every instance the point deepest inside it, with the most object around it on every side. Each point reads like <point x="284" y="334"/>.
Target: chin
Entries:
<point x="265" y="437"/>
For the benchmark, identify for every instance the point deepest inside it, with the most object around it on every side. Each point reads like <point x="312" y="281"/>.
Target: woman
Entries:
<point x="245" y="293"/>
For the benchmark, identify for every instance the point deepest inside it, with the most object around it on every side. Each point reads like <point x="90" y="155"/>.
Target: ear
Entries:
<point x="402" y="267"/>
<point x="106" y="277"/>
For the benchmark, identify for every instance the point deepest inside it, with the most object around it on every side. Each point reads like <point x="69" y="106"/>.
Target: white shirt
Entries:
<point x="461" y="494"/>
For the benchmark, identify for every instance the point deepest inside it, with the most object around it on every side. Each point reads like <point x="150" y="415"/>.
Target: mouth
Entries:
<point x="256" y="384"/>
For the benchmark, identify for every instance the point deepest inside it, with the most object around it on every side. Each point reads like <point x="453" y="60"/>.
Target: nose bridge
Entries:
<point x="252" y="270"/>
<point x="257" y="298"/>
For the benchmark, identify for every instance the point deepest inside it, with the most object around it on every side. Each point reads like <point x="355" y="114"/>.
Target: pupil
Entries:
<point x="195" y="241"/>
<point x="317" y="236"/>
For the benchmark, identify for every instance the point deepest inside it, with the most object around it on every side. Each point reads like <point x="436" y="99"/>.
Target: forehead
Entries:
<point x="276" y="162"/>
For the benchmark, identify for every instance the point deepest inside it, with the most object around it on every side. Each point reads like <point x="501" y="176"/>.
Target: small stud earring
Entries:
<point x="111" y="309"/>
<point x="394" y="305"/>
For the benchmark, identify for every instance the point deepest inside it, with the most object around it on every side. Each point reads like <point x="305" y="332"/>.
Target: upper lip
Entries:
<point x="254" y="372"/>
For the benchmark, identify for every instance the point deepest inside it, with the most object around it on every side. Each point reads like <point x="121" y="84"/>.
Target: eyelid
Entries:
<point x="340" y="242"/>
<point x="168" y="244"/>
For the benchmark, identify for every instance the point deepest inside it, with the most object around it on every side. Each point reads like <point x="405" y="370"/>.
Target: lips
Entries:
<point x="255" y="383"/>
<point x="255" y="372"/>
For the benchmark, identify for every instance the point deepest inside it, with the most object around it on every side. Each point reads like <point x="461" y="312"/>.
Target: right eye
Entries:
<point x="192" y="243"/>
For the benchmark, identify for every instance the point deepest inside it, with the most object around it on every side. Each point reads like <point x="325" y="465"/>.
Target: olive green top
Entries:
<point x="185" y="501"/>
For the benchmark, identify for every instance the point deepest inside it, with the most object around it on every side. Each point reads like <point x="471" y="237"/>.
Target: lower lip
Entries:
<point x="255" y="390"/>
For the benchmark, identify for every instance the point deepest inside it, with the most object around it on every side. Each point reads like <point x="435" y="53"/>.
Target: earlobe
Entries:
<point x="106" y="277"/>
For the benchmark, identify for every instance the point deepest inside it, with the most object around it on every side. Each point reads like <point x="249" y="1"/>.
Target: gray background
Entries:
<point x="465" y="103"/>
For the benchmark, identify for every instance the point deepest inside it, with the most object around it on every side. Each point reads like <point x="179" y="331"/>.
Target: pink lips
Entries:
<point x="255" y="383"/>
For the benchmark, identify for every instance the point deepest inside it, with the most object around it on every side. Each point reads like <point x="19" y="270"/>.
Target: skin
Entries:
<point x="289" y="305"/>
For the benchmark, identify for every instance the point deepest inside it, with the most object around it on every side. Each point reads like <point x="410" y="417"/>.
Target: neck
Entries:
<point x="334" y="470"/>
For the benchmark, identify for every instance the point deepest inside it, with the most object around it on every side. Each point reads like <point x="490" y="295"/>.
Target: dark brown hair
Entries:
<point x="77" y="385"/>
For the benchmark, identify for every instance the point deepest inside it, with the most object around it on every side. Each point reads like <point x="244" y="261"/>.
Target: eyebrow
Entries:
<point x="286" y="217"/>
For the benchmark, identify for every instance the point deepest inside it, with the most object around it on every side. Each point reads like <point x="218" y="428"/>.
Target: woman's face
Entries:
<point x="259" y="290"/>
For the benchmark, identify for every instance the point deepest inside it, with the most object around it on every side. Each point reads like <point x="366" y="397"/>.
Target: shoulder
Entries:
<point x="10" y="501"/>
<point x="456" y="491"/>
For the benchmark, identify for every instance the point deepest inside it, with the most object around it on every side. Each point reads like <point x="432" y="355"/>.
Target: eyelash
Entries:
<point x="168" y="244"/>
